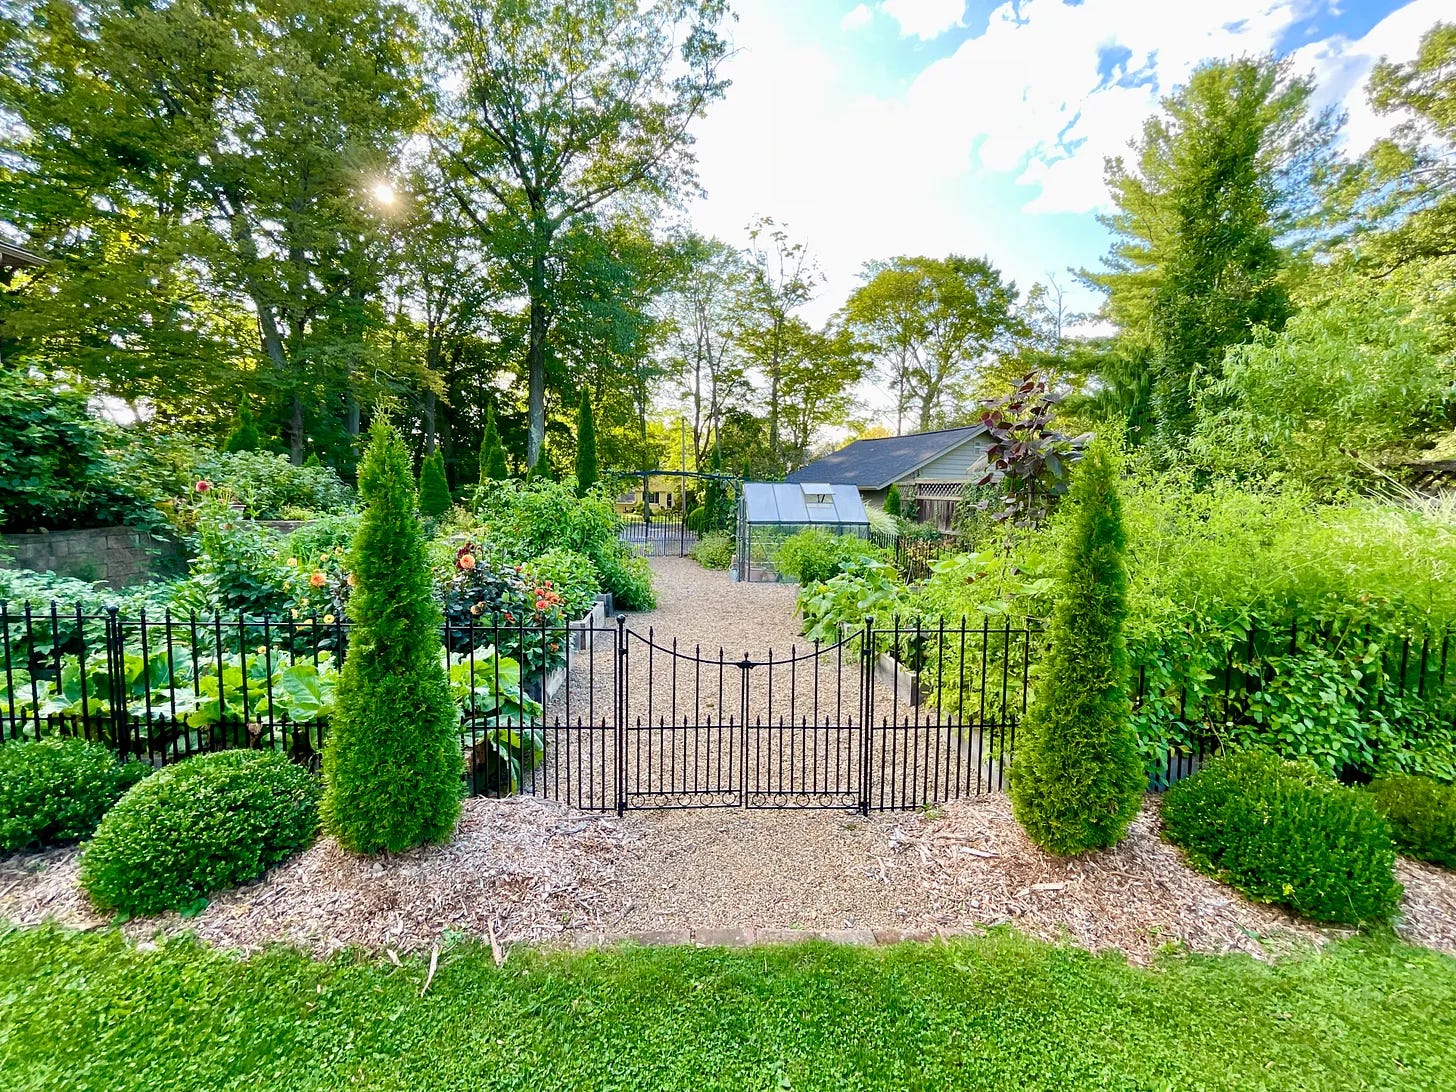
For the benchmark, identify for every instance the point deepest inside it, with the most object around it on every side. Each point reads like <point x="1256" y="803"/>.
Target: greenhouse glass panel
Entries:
<point x="770" y="512"/>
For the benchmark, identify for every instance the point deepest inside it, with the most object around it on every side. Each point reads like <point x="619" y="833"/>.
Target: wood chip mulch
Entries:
<point x="521" y="870"/>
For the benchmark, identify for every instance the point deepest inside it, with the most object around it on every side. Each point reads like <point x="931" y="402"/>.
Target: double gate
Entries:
<point x="643" y="723"/>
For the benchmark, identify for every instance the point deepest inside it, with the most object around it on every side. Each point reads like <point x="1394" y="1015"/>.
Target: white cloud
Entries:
<point x="924" y="19"/>
<point x="926" y="169"/>
<point x="1342" y="67"/>
<point x="857" y="17"/>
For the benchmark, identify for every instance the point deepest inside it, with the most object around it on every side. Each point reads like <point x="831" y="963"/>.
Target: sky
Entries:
<point x="885" y="127"/>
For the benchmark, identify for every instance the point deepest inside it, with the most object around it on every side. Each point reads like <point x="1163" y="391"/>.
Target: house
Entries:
<point x="665" y="494"/>
<point x="13" y="257"/>
<point x="930" y="468"/>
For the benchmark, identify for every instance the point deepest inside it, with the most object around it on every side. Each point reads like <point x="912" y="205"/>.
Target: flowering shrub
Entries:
<point x="570" y="575"/>
<point x="489" y="600"/>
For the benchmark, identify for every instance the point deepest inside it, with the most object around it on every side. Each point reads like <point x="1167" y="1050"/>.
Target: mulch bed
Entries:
<point x="523" y="871"/>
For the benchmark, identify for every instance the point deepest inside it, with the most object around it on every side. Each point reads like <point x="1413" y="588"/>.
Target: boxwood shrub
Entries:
<point x="204" y="825"/>
<point x="1422" y="816"/>
<point x="1283" y="832"/>
<point x="54" y="791"/>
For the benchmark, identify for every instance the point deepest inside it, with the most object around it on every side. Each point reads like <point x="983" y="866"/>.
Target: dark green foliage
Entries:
<point x="492" y="452"/>
<point x="55" y="473"/>
<point x="1421" y="814"/>
<point x="207" y="824"/>
<point x="244" y="436"/>
<point x="813" y="556"/>
<point x="997" y="1012"/>
<point x="269" y="486"/>
<point x="714" y="550"/>
<point x="1077" y="781"/>
<point x="893" y="504"/>
<point x="435" y="499"/>
<point x="586" y="447"/>
<point x="54" y="791"/>
<point x="392" y="759"/>
<point x="628" y="577"/>
<point x="541" y="471"/>
<point x="695" y="519"/>
<point x="1283" y="832"/>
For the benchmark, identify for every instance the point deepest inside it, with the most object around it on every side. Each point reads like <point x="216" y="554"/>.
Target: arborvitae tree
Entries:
<point x="313" y="459"/>
<point x="435" y="499"/>
<point x="542" y="470"/>
<point x="492" y="453"/>
<point x="392" y="761"/>
<point x="586" y="447"/>
<point x="894" y="506"/>
<point x="1076" y="779"/>
<point x="244" y="437"/>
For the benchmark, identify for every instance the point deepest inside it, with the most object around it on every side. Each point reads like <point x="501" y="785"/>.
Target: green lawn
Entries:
<point x="85" y="1011"/>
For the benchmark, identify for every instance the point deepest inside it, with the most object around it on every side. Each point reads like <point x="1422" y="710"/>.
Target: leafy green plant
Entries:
<point x="862" y="590"/>
<point x="491" y="598"/>
<point x="207" y="824"/>
<point x="812" y="556"/>
<point x="1283" y="832"/>
<point x="238" y="567"/>
<point x="500" y="723"/>
<point x="54" y="791"/>
<point x="55" y="473"/>
<point x="1076" y="781"/>
<point x="714" y="550"/>
<point x="492" y="453"/>
<point x="266" y="483"/>
<point x="570" y="575"/>
<point x="1421" y="814"/>
<point x="627" y="576"/>
<point x="392" y="759"/>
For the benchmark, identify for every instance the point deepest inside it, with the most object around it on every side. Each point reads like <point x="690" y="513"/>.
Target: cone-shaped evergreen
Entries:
<point x="1076" y="779"/>
<point x="392" y="761"/>
<point x="492" y="453"/>
<point x="894" y="506"/>
<point x="586" y="447"/>
<point x="244" y="437"/>
<point x="435" y="499"/>
<point x="542" y="470"/>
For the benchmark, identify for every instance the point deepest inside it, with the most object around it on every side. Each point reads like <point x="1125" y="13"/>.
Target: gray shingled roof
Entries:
<point x="16" y="257"/>
<point x="875" y="464"/>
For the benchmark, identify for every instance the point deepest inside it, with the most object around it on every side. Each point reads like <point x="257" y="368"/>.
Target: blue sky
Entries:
<point x="890" y="127"/>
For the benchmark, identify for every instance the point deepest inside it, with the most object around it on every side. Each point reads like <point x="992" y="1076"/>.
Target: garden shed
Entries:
<point x="769" y="512"/>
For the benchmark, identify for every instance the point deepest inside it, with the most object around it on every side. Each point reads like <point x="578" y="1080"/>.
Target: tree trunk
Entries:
<point x="295" y="433"/>
<point x="536" y="360"/>
<point x="428" y="412"/>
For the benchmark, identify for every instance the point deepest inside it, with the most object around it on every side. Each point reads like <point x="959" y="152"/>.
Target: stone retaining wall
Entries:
<point x="116" y="556"/>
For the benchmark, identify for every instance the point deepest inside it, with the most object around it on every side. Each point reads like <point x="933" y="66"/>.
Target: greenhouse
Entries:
<point x="769" y="512"/>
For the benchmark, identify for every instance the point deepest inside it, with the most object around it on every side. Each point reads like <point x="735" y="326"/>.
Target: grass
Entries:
<point x="88" y="1011"/>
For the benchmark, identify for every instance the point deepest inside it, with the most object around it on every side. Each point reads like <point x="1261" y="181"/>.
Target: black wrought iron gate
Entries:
<point x="844" y="725"/>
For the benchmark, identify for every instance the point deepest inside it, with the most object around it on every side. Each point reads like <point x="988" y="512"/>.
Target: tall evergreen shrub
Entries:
<point x="1076" y="779"/>
<point x="244" y="436"/>
<point x="542" y="470"/>
<point x="893" y="504"/>
<point x="492" y="452"/>
<point x="435" y="499"/>
<point x="392" y="761"/>
<point x="586" y="447"/>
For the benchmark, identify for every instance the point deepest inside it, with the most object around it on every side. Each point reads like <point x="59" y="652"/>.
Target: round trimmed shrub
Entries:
<point x="1283" y="832"/>
<point x="204" y="825"/>
<point x="714" y="550"/>
<point x="1421" y="814"/>
<point x="54" y="791"/>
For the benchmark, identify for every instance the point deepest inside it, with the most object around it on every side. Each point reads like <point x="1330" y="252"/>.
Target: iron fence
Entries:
<point x="656" y="506"/>
<point x="603" y="716"/>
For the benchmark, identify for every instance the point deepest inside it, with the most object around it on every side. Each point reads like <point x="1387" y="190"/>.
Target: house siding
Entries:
<point x="962" y="463"/>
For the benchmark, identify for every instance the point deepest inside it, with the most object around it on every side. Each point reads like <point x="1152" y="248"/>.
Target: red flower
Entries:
<point x="203" y="486"/>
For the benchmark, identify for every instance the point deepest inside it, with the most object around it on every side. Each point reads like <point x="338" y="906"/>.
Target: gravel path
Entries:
<point x="700" y="733"/>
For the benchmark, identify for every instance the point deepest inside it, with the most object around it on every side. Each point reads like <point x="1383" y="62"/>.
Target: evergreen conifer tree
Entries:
<point x="492" y="452"/>
<point x="435" y="499"/>
<point x="244" y="437"/>
<point x="894" y="506"/>
<point x="586" y="447"/>
<point x="1076" y="778"/>
<point x="392" y="761"/>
